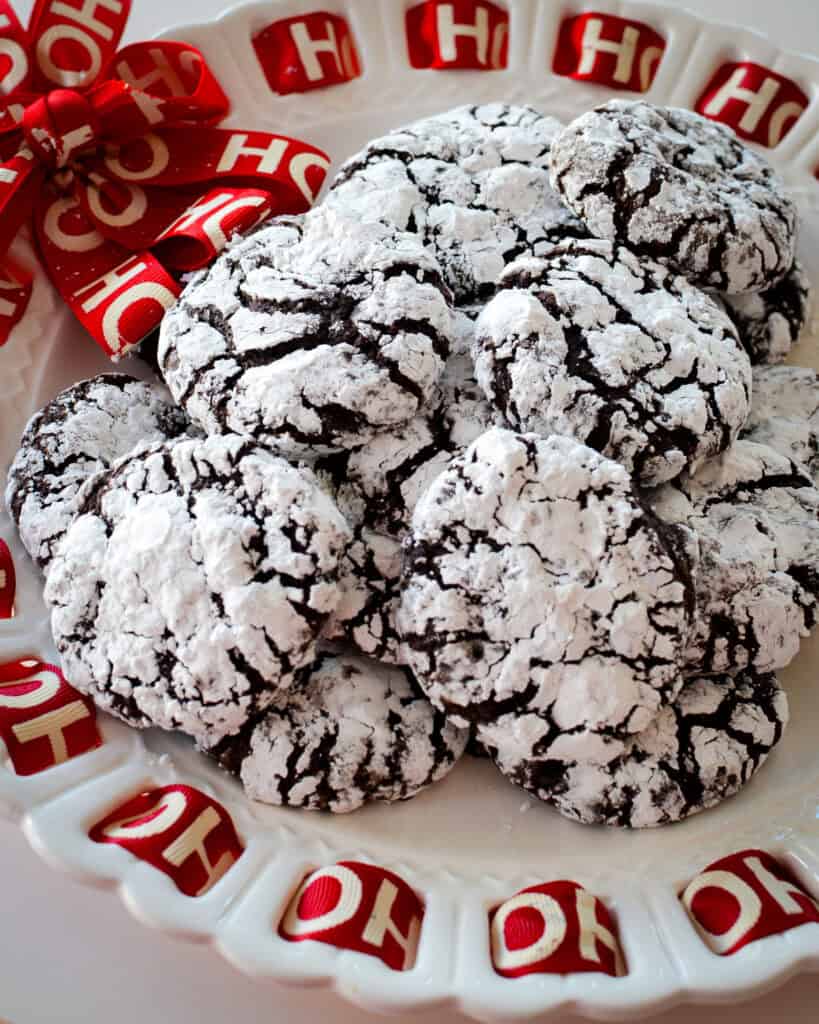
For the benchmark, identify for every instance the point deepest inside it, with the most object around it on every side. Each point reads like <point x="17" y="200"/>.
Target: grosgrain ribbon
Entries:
<point x="115" y="159"/>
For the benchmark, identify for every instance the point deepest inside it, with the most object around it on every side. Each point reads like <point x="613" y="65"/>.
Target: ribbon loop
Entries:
<point x="74" y="40"/>
<point x="176" y="74"/>
<point x="15" y="69"/>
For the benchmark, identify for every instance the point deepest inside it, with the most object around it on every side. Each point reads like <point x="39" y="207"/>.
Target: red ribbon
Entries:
<point x="115" y="159"/>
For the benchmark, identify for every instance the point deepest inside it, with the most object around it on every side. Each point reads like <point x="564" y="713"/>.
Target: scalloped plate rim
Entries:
<point x="129" y="878"/>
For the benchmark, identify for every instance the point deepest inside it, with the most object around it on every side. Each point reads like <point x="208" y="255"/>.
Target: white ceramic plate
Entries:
<point x="472" y="840"/>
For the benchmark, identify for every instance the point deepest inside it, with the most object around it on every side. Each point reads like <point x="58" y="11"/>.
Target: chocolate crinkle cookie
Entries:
<point x="191" y="588"/>
<point x="770" y="322"/>
<point x="369" y="579"/>
<point x="677" y="188"/>
<point x="355" y="732"/>
<point x="756" y="517"/>
<point x="698" y="751"/>
<point x="311" y="335"/>
<point x="534" y="579"/>
<point x="80" y="432"/>
<point x="472" y="184"/>
<point x="785" y="413"/>
<point x="600" y="344"/>
<point x="380" y="484"/>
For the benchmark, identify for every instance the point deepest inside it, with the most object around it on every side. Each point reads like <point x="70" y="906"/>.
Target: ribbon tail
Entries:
<point x="186" y="226"/>
<point x="119" y="296"/>
<point x="206" y="227"/>
<point x="21" y="182"/>
<point x="15" y="292"/>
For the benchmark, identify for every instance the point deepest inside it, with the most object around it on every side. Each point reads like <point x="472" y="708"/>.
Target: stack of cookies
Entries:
<point x="490" y="445"/>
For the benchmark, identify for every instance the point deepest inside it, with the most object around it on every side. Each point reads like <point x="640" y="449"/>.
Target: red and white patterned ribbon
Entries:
<point x="309" y="51"/>
<point x="744" y="897"/>
<point x="179" y="830"/>
<point x="462" y="34"/>
<point x="360" y="907"/>
<point x="44" y="721"/>
<point x="8" y="581"/>
<point x="554" y="928"/>
<point x="115" y="158"/>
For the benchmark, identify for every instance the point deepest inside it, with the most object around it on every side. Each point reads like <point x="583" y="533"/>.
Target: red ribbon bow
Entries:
<point x="115" y="160"/>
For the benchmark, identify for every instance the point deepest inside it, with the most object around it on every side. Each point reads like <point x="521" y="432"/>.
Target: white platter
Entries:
<point x="473" y="840"/>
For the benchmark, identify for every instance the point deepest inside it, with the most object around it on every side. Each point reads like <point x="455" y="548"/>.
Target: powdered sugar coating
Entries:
<point x="535" y="580"/>
<point x="756" y="516"/>
<point x="678" y="188"/>
<point x="463" y="334"/>
<point x="357" y="731"/>
<point x="369" y="578"/>
<point x="311" y="335"/>
<point x="192" y="586"/>
<point x="697" y="752"/>
<point x="472" y="183"/>
<point x="379" y="484"/>
<point x="80" y="432"/>
<point x="599" y="344"/>
<point x="785" y="413"/>
<point x="770" y="322"/>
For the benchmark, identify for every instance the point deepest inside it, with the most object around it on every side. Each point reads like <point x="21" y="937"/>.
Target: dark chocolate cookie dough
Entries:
<point x="357" y="731"/>
<point x="379" y="484"/>
<point x="369" y="578"/>
<point x="597" y="343"/>
<point x="756" y="516"/>
<point x="534" y="579"/>
<point x="311" y="335"/>
<point x="192" y="586"/>
<point x="472" y="183"/>
<point x="699" y="750"/>
<point x="785" y="413"/>
<point x="770" y="322"/>
<point x="80" y="432"/>
<point x="678" y="188"/>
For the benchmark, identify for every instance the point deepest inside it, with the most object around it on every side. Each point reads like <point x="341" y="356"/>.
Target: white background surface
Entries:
<point x="71" y="954"/>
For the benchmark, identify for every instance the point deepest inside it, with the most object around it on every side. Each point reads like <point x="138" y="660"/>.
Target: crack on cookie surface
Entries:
<point x="756" y="516"/>
<point x="192" y="586"/>
<point x="498" y="617"/>
<point x="701" y="749"/>
<point x="680" y="189"/>
<point x="310" y="335"/>
<point x="472" y="183"/>
<point x="357" y="731"/>
<point x="596" y="343"/>
<point x="79" y="433"/>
